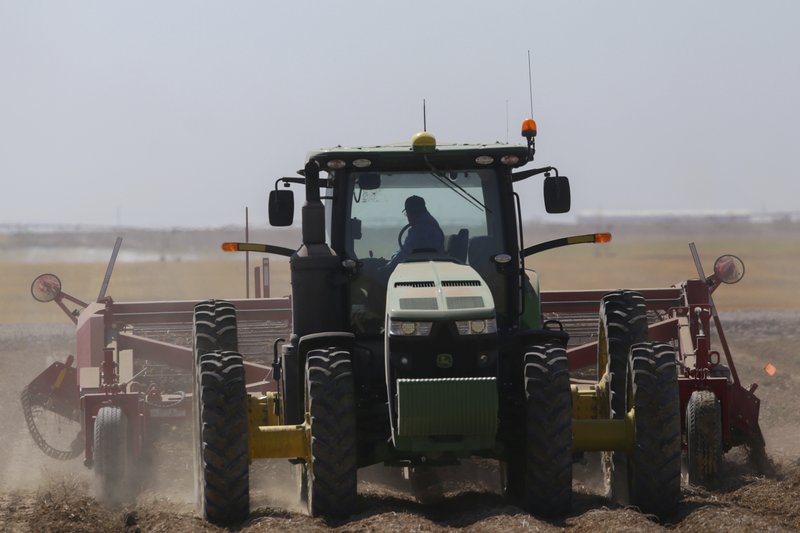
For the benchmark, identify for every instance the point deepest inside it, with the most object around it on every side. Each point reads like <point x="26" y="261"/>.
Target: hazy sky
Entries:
<point x="182" y="113"/>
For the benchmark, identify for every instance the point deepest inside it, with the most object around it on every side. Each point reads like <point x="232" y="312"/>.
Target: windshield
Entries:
<point x="458" y="201"/>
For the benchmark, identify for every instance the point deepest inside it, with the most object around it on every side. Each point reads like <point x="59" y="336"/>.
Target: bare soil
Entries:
<point x="40" y="494"/>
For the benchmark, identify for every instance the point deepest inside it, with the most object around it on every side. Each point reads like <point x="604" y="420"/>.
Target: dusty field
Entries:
<point x="762" y="323"/>
<point x="39" y="494"/>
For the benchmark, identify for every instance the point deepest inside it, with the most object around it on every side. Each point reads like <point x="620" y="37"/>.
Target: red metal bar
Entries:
<point x="183" y="311"/>
<point x="589" y="301"/>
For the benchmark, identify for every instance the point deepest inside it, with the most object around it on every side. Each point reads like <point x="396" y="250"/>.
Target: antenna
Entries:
<point x="506" y="120"/>
<point x="530" y="82"/>
<point x="424" y="117"/>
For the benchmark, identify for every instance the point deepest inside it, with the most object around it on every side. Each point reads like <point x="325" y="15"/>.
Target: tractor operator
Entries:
<point x="424" y="232"/>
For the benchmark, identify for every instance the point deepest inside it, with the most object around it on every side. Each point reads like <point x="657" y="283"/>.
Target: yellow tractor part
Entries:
<point x="592" y="430"/>
<point x="268" y="438"/>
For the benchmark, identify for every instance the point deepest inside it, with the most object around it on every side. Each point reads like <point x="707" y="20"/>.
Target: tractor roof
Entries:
<point x="403" y="156"/>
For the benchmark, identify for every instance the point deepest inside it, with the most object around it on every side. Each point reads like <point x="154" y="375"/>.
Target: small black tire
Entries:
<point x="655" y="467"/>
<point x="548" y="428"/>
<point x="330" y="393"/>
<point x="214" y="328"/>
<point x="111" y="456"/>
<point x="623" y="323"/>
<point x="300" y="475"/>
<point x="222" y="490"/>
<point x="704" y="439"/>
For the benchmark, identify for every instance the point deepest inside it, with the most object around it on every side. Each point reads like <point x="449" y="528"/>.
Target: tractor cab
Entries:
<point x="466" y="191"/>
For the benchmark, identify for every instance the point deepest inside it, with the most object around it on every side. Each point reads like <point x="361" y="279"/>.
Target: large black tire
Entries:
<point x="214" y="328"/>
<point x="548" y="428"/>
<point x="655" y="468"/>
<point x="623" y="323"/>
<point x="704" y="438"/>
<point x="330" y="394"/>
<point x="111" y="456"/>
<point x="222" y="490"/>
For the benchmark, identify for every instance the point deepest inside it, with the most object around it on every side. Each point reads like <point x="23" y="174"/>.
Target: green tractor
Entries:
<point x="403" y="355"/>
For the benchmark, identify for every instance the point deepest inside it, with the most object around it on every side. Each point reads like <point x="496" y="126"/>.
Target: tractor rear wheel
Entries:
<point x="623" y="323"/>
<point x="214" y="328"/>
<point x="548" y="427"/>
<point x="655" y="468"/>
<point x="222" y="490"/>
<point x="704" y="436"/>
<point x="330" y="393"/>
<point x="111" y="455"/>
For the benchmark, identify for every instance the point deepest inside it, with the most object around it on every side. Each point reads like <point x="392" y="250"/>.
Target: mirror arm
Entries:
<point x="255" y="247"/>
<point x="326" y="183"/>
<point x="525" y="174"/>
<point x="566" y="241"/>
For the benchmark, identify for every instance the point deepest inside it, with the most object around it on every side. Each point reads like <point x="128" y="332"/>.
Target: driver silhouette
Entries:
<point x="424" y="232"/>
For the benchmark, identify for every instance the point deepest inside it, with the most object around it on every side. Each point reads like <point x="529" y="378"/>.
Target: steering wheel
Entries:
<point x="400" y="235"/>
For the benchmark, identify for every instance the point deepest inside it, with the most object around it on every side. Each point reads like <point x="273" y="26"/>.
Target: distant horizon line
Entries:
<point x="572" y="219"/>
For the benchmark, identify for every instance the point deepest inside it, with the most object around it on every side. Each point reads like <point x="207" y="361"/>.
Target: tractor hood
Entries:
<point x="437" y="290"/>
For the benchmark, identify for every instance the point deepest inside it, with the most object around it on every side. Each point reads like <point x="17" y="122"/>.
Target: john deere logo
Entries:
<point x="444" y="360"/>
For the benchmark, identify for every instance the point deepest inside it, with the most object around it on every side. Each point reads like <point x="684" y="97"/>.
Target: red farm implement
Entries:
<point x="130" y="376"/>
<point x="717" y="411"/>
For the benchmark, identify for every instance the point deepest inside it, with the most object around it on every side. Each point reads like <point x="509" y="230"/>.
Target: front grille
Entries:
<point x="462" y="283"/>
<point x="415" y="284"/>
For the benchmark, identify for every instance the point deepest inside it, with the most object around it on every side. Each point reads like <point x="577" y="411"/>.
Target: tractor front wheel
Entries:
<point x="548" y="427"/>
<point x="222" y="490"/>
<point x="655" y="467"/>
<point x="704" y="436"/>
<point x="330" y="396"/>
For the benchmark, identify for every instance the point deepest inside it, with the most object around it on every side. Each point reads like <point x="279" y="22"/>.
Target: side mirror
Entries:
<point x="281" y="208"/>
<point x="557" y="197"/>
<point x="369" y="181"/>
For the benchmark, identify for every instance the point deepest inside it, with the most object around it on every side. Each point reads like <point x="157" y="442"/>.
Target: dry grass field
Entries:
<point x="636" y="258"/>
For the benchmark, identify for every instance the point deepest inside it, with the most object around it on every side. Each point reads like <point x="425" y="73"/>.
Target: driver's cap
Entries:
<point x="415" y="204"/>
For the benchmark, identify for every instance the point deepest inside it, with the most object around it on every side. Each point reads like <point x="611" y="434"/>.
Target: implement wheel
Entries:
<point x="222" y="491"/>
<point x="655" y="468"/>
<point x="330" y="394"/>
<point x="214" y="327"/>
<point x="704" y="436"/>
<point x="111" y="455"/>
<point x="548" y="427"/>
<point x="623" y="323"/>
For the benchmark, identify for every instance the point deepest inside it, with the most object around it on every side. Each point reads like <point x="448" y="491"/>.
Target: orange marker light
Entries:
<point x="770" y="369"/>
<point x="529" y="128"/>
<point x="230" y="246"/>
<point x="602" y="237"/>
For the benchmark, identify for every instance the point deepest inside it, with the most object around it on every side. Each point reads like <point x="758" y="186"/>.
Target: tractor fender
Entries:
<point x="325" y="339"/>
<point x="539" y="336"/>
